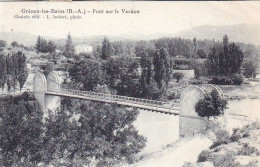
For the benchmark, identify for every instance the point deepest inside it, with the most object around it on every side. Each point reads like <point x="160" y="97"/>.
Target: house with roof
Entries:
<point x="83" y="48"/>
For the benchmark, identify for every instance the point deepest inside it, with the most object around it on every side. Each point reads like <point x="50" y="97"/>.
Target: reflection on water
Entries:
<point x="159" y="129"/>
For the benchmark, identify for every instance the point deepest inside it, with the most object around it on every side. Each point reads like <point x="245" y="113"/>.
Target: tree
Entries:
<point x="106" y="49"/>
<point x="250" y="66"/>
<point x="236" y="57"/>
<point x="22" y="72"/>
<point x="44" y="46"/>
<point x="38" y="45"/>
<point x="2" y="71"/>
<point x="2" y="43"/>
<point x="178" y="76"/>
<point x="9" y="71"/>
<point x="51" y="47"/>
<point x="47" y="68"/>
<point x="101" y="131"/>
<point x="201" y="54"/>
<point x="105" y="131"/>
<point x="123" y="75"/>
<point x="162" y="68"/>
<point x="69" y="47"/>
<point x="146" y="74"/>
<point x="13" y="70"/>
<point x="194" y="45"/>
<point x="211" y="105"/>
<point x="200" y="67"/>
<point x="225" y="60"/>
<point x="20" y="131"/>
<point x="87" y="73"/>
<point x="14" y="44"/>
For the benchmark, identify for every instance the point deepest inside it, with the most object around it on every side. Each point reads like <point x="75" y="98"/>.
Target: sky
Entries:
<point x="154" y="17"/>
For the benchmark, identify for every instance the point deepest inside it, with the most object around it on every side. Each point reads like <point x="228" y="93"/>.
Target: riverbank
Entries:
<point x="188" y="149"/>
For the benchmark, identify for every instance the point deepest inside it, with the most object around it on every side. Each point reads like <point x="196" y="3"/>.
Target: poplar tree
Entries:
<point x="38" y="44"/>
<point x="69" y="47"/>
<point x="14" y="68"/>
<point x="106" y="49"/>
<point x="9" y="74"/>
<point x="2" y="71"/>
<point x="225" y="60"/>
<point x="162" y="68"/>
<point x="22" y="72"/>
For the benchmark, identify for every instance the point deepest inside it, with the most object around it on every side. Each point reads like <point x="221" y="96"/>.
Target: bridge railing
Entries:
<point x="117" y="98"/>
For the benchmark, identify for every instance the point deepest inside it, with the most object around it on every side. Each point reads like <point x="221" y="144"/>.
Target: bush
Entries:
<point x="178" y="76"/>
<point x="236" y="79"/>
<point x="222" y="137"/>
<point x="225" y="160"/>
<point x="236" y="135"/>
<point x="204" y="156"/>
<point x="220" y="81"/>
<point x="196" y="81"/>
<point x="247" y="150"/>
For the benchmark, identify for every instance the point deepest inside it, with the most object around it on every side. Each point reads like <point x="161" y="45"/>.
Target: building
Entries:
<point x="83" y="48"/>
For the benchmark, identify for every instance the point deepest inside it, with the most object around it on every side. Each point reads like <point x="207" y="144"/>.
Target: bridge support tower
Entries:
<point x="189" y="121"/>
<point x="41" y="85"/>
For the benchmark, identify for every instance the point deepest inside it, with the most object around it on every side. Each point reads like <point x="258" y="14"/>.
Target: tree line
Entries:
<point x="44" y="46"/>
<point x="124" y="74"/>
<point x="13" y="70"/>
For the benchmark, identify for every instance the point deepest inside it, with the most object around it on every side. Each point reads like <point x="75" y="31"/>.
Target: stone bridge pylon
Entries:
<point x="41" y="84"/>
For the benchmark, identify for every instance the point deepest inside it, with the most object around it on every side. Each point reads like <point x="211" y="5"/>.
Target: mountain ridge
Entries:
<point x="246" y="33"/>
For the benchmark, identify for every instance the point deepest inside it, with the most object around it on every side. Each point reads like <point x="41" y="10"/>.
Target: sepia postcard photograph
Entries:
<point x="130" y="84"/>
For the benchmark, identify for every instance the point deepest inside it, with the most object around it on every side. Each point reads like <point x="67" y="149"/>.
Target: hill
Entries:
<point x="27" y="39"/>
<point x="246" y="33"/>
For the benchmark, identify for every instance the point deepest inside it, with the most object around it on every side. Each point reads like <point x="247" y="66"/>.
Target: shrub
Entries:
<point x="196" y="81"/>
<point x="222" y="137"/>
<point x="220" y="81"/>
<point x="247" y="150"/>
<point x="204" y="156"/>
<point x="225" y="160"/>
<point x="236" y="79"/>
<point x="236" y="135"/>
<point x="178" y="76"/>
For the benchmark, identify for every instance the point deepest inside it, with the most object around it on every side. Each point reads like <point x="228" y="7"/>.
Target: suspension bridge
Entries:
<point x="153" y="105"/>
<point x="48" y="90"/>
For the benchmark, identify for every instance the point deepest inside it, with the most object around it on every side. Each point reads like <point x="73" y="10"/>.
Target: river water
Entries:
<point x="159" y="129"/>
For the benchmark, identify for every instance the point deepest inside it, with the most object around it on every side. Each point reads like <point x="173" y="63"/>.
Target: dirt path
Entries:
<point x="186" y="150"/>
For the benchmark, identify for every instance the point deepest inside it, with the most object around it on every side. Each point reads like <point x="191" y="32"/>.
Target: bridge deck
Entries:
<point x="158" y="106"/>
